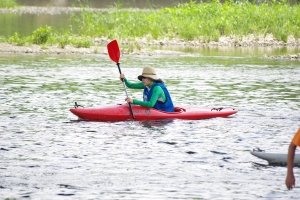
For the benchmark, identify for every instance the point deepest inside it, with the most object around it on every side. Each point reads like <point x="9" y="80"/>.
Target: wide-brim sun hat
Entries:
<point x="148" y="72"/>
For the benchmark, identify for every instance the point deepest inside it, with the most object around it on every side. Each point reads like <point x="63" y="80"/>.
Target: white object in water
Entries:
<point x="273" y="158"/>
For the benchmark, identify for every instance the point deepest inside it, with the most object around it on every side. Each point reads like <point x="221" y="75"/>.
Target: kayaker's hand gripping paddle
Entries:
<point x="114" y="54"/>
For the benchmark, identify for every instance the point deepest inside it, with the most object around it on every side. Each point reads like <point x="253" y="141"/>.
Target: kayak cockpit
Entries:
<point x="179" y="110"/>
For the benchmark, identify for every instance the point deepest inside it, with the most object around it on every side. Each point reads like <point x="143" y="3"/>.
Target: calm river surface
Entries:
<point x="46" y="153"/>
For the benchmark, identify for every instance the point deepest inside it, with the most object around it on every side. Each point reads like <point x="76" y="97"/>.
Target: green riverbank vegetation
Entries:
<point x="48" y="36"/>
<point x="196" y="21"/>
<point x="8" y="4"/>
<point x="203" y="22"/>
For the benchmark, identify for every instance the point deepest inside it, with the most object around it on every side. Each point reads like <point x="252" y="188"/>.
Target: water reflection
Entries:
<point x="248" y="52"/>
<point x="25" y="24"/>
<point x="156" y="123"/>
<point x="103" y="3"/>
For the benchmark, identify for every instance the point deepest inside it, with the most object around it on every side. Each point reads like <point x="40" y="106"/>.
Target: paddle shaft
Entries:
<point x="114" y="54"/>
<point x="131" y="111"/>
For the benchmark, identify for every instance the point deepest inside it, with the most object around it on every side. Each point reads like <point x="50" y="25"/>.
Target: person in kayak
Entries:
<point x="155" y="93"/>
<point x="290" y="178"/>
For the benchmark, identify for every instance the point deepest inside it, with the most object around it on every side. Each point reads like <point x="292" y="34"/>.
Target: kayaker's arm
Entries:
<point x="134" y="85"/>
<point x="290" y="178"/>
<point x="157" y="92"/>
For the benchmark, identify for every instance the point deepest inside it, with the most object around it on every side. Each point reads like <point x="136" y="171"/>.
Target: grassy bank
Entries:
<point x="8" y="4"/>
<point x="203" y="22"/>
<point x="196" y="21"/>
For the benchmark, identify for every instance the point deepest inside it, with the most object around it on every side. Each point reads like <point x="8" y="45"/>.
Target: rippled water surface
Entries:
<point x="46" y="153"/>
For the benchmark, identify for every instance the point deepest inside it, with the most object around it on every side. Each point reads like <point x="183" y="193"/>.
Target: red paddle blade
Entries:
<point x="113" y="51"/>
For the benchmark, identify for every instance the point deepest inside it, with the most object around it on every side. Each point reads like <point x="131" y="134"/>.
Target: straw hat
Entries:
<point x="148" y="72"/>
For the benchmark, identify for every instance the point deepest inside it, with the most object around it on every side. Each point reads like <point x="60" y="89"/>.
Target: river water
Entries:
<point x="46" y="153"/>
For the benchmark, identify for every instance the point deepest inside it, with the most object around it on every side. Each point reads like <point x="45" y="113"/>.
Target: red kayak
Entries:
<point x="122" y="112"/>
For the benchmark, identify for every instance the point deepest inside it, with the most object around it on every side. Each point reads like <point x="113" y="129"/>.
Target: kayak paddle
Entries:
<point x="114" y="54"/>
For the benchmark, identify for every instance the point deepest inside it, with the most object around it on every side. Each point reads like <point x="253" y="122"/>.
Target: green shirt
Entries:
<point x="157" y="93"/>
